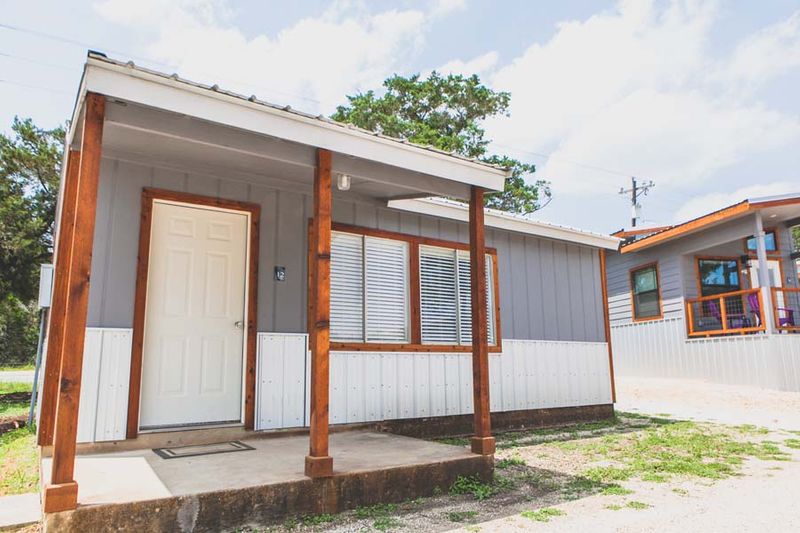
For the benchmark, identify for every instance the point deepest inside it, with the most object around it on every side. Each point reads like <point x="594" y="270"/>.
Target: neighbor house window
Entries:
<point x="445" y="301"/>
<point x="645" y="293"/>
<point x="718" y="276"/>
<point x="408" y="292"/>
<point x="770" y="240"/>
<point x="369" y="289"/>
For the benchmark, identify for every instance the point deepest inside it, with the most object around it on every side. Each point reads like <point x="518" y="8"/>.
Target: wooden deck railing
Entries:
<point x="786" y="308"/>
<point x="730" y="313"/>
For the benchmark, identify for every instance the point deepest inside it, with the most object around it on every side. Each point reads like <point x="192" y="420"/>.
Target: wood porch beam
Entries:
<point x="607" y="323"/>
<point x="318" y="462"/>
<point x="61" y="494"/>
<point x="482" y="442"/>
<point x="55" y="326"/>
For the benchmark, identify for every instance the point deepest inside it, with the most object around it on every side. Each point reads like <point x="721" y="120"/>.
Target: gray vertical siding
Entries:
<point x="549" y="290"/>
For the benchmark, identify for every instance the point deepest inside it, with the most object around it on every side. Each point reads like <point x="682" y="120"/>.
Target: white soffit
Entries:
<point x="493" y="218"/>
<point x="134" y="84"/>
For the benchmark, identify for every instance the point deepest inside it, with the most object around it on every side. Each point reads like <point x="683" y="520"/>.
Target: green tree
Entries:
<point x="446" y="112"/>
<point x="30" y="167"/>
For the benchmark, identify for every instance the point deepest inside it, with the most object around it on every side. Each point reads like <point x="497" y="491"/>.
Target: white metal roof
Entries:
<point x="128" y="82"/>
<point x="445" y="208"/>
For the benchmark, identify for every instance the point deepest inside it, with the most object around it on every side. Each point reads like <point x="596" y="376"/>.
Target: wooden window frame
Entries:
<point x="415" y="318"/>
<point x="631" y="273"/>
<point x="698" y="278"/>
<point x="149" y="196"/>
<point x="772" y="254"/>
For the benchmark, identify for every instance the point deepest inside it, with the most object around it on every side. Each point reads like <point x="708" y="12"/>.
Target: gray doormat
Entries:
<point x="202" y="449"/>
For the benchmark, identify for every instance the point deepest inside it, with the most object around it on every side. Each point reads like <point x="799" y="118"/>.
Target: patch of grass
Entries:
<point x="291" y="522"/>
<point x="661" y="451"/>
<point x="13" y="409"/>
<point x="509" y="461"/>
<point x="613" y="507"/>
<point x="615" y="489"/>
<point x="543" y="515"/>
<point x="633" y="504"/>
<point x="515" y="439"/>
<point x="11" y="368"/>
<point x="792" y="443"/>
<point x="663" y="415"/>
<point x="750" y="429"/>
<point x="375" y="511"/>
<point x="478" y="489"/>
<point x="317" y="520"/>
<point x="9" y="387"/>
<point x="461" y="516"/>
<point x="680" y="492"/>
<point x="19" y="472"/>
<point x="385" y="523"/>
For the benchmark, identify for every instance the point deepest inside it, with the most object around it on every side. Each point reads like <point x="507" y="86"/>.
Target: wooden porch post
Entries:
<point x="607" y="323"/>
<point x="318" y="462"/>
<point x="482" y="443"/>
<point x="61" y="493"/>
<point x="55" y="323"/>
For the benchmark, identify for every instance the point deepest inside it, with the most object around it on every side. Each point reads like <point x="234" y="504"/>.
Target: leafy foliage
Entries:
<point x="30" y="166"/>
<point x="446" y="112"/>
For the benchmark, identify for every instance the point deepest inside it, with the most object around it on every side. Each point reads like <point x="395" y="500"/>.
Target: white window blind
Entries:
<point x="387" y="290"/>
<point x="347" y="287"/>
<point x="369" y="289"/>
<point x="446" y="305"/>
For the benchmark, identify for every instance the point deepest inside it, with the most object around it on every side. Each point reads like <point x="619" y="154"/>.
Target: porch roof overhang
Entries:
<point x="164" y="119"/>
<point x="501" y="220"/>
<point x="773" y="209"/>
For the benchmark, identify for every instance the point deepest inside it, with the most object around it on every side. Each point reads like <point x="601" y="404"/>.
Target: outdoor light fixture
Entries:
<point x="343" y="182"/>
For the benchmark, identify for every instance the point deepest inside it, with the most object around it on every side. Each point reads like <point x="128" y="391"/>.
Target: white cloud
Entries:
<point x="707" y="203"/>
<point x="312" y="64"/>
<point x="445" y="7"/>
<point x="477" y="65"/>
<point x="636" y="89"/>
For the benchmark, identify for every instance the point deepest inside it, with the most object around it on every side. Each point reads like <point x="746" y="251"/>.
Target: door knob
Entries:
<point x="239" y="324"/>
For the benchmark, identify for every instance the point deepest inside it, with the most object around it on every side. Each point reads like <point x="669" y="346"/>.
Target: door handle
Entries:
<point x="239" y="324"/>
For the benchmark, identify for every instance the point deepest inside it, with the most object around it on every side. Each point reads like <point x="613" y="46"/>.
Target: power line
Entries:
<point x="32" y="86"/>
<point x="636" y="191"/>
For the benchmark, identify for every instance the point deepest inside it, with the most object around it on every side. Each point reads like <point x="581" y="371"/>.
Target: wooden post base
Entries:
<point x="60" y="497"/>
<point x="483" y="445"/>
<point x="319" y="466"/>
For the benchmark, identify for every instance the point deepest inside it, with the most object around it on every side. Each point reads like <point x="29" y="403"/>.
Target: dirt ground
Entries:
<point x="761" y="497"/>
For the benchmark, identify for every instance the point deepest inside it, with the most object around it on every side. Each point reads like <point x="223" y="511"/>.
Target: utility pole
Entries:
<point x="636" y="191"/>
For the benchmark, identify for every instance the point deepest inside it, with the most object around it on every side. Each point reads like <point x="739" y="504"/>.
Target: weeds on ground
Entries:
<point x="613" y="507"/>
<point x="543" y="515"/>
<point x="10" y="387"/>
<point x="19" y="472"/>
<point x="792" y="443"/>
<point x="502" y="464"/>
<point x="375" y="511"/>
<point x="478" y="489"/>
<point x="633" y="504"/>
<point x="385" y="523"/>
<point x="679" y="448"/>
<point x="13" y="409"/>
<point x="461" y="516"/>
<point x="680" y="492"/>
<point x="615" y="489"/>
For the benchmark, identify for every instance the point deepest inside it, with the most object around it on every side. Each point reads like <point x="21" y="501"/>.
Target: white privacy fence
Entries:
<point x="661" y="349"/>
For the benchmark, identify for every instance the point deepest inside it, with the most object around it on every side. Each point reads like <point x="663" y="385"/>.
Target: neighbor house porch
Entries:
<point x="196" y="294"/>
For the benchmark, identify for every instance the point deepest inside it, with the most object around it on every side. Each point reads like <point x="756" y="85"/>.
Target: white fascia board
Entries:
<point x="507" y="222"/>
<point x="131" y="84"/>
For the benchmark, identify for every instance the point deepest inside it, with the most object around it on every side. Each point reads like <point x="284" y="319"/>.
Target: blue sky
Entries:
<point x="699" y="96"/>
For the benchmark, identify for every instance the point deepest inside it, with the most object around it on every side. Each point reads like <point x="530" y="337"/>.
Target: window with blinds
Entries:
<point x="369" y="289"/>
<point x="445" y="303"/>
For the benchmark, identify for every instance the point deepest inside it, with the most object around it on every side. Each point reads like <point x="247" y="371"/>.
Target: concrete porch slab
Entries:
<point x="19" y="510"/>
<point x="140" y="490"/>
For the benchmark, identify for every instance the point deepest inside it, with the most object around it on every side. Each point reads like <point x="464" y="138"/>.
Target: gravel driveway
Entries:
<point x="762" y="499"/>
<point x="16" y="376"/>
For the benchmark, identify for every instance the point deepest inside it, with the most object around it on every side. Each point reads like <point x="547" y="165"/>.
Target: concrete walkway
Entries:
<point x="19" y="510"/>
<point x="16" y="376"/>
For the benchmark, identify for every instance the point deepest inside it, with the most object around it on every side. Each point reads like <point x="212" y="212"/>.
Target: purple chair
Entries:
<point x="787" y="320"/>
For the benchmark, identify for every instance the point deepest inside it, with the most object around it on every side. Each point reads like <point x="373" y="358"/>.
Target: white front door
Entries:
<point x="192" y="358"/>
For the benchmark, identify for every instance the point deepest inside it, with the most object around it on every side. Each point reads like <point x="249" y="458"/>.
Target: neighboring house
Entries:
<point x="714" y="298"/>
<point x="206" y="303"/>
